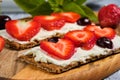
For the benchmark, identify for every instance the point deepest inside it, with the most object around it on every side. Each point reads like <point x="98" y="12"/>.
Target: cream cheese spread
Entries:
<point x="79" y="55"/>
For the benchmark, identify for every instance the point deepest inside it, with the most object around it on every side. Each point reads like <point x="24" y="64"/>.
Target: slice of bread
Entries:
<point x="53" y="68"/>
<point x="15" y="45"/>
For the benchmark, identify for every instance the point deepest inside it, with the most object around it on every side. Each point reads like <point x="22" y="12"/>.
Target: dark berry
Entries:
<point x="83" y="21"/>
<point x="104" y="42"/>
<point x="53" y="39"/>
<point x="3" y="20"/>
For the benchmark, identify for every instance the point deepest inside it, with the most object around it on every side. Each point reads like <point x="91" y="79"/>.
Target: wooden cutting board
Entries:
<point x="10" y="67"/>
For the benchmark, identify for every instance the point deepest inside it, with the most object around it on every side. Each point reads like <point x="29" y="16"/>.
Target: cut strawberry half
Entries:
<point x="68" y="16"/>
<point x="2" y="43"/>
<point x="101" y="32"/>
<point x="50" y="22"/>
<point x="63" y="49"/>
<point x="22" y="30"/>
<point x="80" y="37"/>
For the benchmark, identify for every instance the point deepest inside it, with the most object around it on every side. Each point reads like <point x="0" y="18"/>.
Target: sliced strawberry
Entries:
<point x="50" y="22"/>
<point x="22" y="30"/>
<point x="68" y="16"/>
<point x="91" y="28"/>
<point x="101" y="32"/>
<point x="63" y="49"/>
<point x="2" y="43"/>
<point x="80" y="37"/>
<point x="88" y="46"/>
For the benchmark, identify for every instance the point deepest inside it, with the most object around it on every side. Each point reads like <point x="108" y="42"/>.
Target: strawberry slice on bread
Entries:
<point x="22" y="30"/>
<point x="68" y="16"/>
<point x="50" y="22"/>
<point x="2" y="43"/>
<point x="62" y="49"/>
<point x="101" y="32"/>
<point x="81" y="38"/>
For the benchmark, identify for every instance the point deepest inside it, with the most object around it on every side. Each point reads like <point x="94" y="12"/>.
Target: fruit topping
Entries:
<point x="53" y="39"/>
<point x="81" y="38"/>
<point x="22" y="30"/>
<point x="109" y="16"/>
<point x="104" y="42"/>
<point x="88" y="46"/>
<point x="83" y="21"/>
<point x="101" y="32"/>
<point x="50" y="22"/>
<point x="2" y="43"/>
<point x="63" y="49"/>
<point x="68" y="16"/>
<point x="3" y="20"/>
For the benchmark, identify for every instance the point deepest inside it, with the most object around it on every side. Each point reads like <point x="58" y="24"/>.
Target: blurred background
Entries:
<point x="10" y="8"/>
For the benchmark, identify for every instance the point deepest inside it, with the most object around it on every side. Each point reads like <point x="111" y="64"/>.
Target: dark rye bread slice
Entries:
<point x="52" y="68"/>
<point x="18" y="46"/>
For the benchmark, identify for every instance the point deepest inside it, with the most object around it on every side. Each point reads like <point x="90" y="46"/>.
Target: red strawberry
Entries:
<point x="50" y="22"/>
<point x="91" y="27"/>
<point x="63" y="49"/>
<point x="88" y="46"/>
<point x="80" y="37"/>
<point x="2" y="43"/>
<point x="22" y="30"/>
<point x="68" y="16"/>
<point x="101" y="32"/>
<point x="109" y="16"/>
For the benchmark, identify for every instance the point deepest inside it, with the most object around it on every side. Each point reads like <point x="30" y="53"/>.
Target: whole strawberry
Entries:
<point x="109" y="16"/>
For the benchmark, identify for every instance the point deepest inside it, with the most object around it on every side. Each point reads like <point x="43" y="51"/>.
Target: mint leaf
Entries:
<point x="36" y="7"/>
<point x="43" y="9"/>
<point x="89" y="13"/>
<point x="74" y="7"/>
<point x="46" y="7"/>
<point x="56" y="5"/>
<point x="28" y="5"/>
<point x="79" y="2"/>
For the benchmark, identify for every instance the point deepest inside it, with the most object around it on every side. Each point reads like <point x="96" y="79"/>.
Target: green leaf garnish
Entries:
<point x="46" y="7"/>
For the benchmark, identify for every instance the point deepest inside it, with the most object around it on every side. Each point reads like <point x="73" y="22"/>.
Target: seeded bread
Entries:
<point x="30" y="44"/>
<point x="52" y="68"/>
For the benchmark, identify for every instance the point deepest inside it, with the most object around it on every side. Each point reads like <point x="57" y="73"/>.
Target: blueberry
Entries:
<point x="83" y="21"/>
<point x="104" y="42"/>
<point x="3" y="20"/>
<point x="53" y="39"/>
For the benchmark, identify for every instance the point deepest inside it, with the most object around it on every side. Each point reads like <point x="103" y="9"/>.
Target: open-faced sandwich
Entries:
<point x="65" y="40"/>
